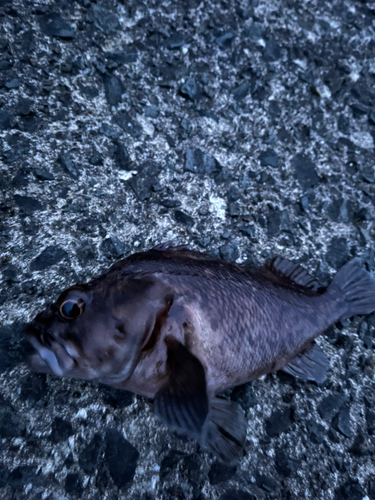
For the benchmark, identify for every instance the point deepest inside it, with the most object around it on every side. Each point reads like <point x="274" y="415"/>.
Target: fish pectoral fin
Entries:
<point x="183" y="401"/>
<point x="286" y="268"/>
<point x="311" y="365"/>
<point x="183" y="404"/>
<point x="225" y="430"/>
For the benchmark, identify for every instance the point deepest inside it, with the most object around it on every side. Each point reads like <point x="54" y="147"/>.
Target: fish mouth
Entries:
<point x="50" y="356"/>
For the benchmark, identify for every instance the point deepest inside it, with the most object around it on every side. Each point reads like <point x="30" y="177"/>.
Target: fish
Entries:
<point x="180" y="327"/>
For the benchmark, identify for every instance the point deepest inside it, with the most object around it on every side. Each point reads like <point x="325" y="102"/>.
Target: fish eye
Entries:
<point x="71" y="309"/>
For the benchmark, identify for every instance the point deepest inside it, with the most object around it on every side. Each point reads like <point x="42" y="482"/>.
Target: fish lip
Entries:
<point x="50" y="356"/>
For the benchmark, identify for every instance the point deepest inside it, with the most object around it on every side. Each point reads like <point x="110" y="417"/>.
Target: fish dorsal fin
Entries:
<point x="168" y="249"/>
<point x="170" y="246"/>
<point x="296" y="273"/>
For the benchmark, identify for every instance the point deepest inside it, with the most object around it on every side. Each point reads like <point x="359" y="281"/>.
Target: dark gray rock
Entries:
<point x="337" y="254"/>
<point x="20" y="477"/>
<point x="219" y="473"/>
<point x="269" y="158"/>
<point x="279" y="421"/>
<point x="19" y="147"/>
<point x="61" y="430"/>
<point x="200" y="163"/>
<point x="362" y="446"/>
<point x="89" y="457"/>
<point x="175" y="41"/>
<point x="142" y="183"/>
<point x="340" y="210"/>
<point x="245" y="396"/>
<point x="370" y="420"/>
<point x="73" y="485"/>
<point x="225" y="40"/>
<point x="13" y="84"/>
<point x="9" y="273"/>
<point x="113" y="89"/>
<point x="183" y="218"/>
<point x="122" y="157"/>
<point x="330" y="405"/>
<point x="285" y="466"/>
<point x="34" y="387"/>
<point x="241" y="91"/>
<point x="23" y="107"/>
<point x="152" y="111"/>
<point x="351" y="490"/>
<point x="234" y="209"/>
<point x="233" y="194"/>
<point x="233" y="494"/>
<point x="109" y="131"/>
<point x="248" y="231"/>
<point x="54" y="25"/>
<point x="229" y="251"/>
<point x="27" y="204"/>
<point x="128" y="125"/>
<point x="50" y="256"/>
<point x="304" y="171"/>
<point x="368" y="175"/>
<point x="96" y="159"/>
<point x="6" y="120"/>
<point x="43" y="175"/>
<point x="272" y="51"/>
<point x="117" y="398"/>
<point x="371" y="489"/>
<point x="342" y="422"/>
<point x="121" y="458"/>
<point x="112" y="247"/>
<point x="266" y="483"/>
<point x="66" y="161"/>
<point x="316" y="431"/>
<point x="86" y="251"/>
<point x="105" y="20"/>
<point x="190" y="89"/>
<point x="89" y="92"/>
<point x="11" y="424"/>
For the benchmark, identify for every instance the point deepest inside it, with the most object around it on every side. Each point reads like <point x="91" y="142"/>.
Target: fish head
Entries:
<point x="96" y="332"/>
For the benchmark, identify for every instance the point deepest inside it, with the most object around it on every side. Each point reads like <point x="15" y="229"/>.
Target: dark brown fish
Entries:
<point x="179" y="326"/>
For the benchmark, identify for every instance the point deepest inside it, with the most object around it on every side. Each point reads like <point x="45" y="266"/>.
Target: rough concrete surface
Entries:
<point x="243" y="128"/>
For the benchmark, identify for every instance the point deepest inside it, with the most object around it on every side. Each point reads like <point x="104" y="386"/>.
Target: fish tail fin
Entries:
<point x="356" y="286"/>
<point x="224" y="432"/>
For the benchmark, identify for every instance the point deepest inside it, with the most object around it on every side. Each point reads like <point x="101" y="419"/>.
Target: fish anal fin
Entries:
<point x="183" y="404"/>
<point x="296" y="273"/>
<point x="311" y="365"/>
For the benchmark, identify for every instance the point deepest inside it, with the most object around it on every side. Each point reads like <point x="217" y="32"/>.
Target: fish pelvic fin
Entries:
<point x="224" y="432"/>
<point x="356" y="286"/>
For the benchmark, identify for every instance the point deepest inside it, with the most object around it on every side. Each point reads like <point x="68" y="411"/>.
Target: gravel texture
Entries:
<point x="243" y="128"/>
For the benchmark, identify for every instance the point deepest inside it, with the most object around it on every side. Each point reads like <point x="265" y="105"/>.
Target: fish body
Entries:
<point x="179" y="326"/>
